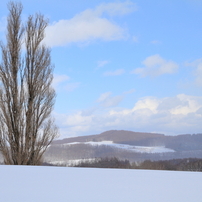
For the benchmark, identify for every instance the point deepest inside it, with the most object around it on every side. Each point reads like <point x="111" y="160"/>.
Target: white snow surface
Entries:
<point x="139" y="149"/>
<point x="62" y="184"/>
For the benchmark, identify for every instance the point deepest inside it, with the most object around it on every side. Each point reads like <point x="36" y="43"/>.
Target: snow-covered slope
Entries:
<point x="51" y="184"/>
<point x="140" y="149"/>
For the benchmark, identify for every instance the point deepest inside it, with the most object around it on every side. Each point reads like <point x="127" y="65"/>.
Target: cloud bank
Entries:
<point x="170" y="115"/>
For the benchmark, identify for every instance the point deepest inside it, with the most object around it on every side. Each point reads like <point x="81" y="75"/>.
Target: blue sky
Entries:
<point x="131" y="65"/>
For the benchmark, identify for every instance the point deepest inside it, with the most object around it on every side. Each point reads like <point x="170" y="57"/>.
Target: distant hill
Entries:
<point x="134" y="146"/>
<point x="117" y="136"/>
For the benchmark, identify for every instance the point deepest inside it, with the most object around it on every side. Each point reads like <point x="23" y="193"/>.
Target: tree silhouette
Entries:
<point x="26" y="95"/>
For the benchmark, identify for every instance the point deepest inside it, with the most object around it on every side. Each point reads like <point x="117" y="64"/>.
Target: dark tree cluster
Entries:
<point x="175" y="164"/>
<point x="106" y="163"/>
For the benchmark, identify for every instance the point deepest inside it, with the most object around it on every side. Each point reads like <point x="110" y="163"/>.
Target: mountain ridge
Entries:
<point x="111" y="135"/>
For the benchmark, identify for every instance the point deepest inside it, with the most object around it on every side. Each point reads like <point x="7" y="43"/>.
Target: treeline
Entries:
<point x="106" y="163"/>
<point x="189" y="164"/>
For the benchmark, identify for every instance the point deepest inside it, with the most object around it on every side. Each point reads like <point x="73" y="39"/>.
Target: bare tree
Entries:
<point x="26" y="95"/>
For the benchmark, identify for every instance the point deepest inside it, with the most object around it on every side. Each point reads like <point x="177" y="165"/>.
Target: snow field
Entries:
<point x="50" y="184"/>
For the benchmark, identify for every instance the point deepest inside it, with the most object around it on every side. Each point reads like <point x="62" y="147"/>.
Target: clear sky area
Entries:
<point x="123" y="65"/>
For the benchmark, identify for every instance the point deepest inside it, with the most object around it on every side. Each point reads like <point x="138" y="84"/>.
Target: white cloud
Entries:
<point x="112" y="101"/>
<point x="58" y="79"/>
<point x="148" y="103"/>
<point x="187" y="104"/>
<point x="155" y="65"/>
<point x="114" y="73"/>
<point x="106" y="100"/>
<point x="73" y="124"/>
<point x="89" y="25"/>
<point x="170" y="115"/>
<point x="61" y="82"/>
<point x="104" y="96"/>
<point x="197" y="72"/>
<point x="78" y="120"/>
<point x="117" y="8"/>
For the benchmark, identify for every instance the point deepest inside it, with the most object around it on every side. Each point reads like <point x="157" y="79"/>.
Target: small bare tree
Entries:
<point x="26" y="95"/>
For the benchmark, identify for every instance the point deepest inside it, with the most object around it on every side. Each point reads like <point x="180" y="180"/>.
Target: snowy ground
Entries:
<point x="51" y="184"/>
<point x="140" y="149"/>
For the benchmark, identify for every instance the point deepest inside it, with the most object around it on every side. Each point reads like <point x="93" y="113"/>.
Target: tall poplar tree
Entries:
<point x="26" y="95"/>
